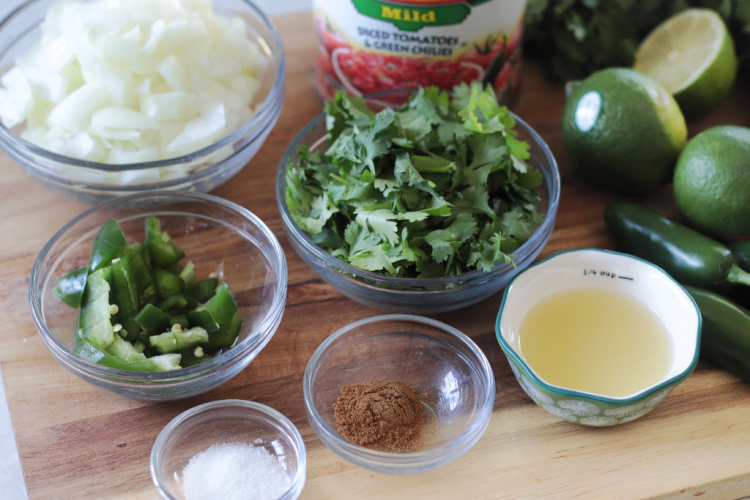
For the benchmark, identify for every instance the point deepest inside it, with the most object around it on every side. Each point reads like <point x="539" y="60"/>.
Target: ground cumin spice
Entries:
<point x="381" y="415"/>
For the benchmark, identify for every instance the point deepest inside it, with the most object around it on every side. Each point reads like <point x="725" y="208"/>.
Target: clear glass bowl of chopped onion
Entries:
<point x="100" y="99"/>
<point x="229" y="449"/>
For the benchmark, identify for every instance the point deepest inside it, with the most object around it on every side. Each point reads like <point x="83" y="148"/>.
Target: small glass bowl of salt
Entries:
<point x="229" y="449"/>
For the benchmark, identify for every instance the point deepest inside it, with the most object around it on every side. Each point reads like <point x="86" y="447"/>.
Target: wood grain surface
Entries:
<point x="77" y="441"/>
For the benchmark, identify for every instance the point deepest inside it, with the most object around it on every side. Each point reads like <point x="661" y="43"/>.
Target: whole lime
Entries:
<point x="622" y="130"/>
<point x="712" y="181"/>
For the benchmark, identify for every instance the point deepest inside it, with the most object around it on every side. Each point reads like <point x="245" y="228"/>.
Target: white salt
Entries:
<point x="234" y="471"/>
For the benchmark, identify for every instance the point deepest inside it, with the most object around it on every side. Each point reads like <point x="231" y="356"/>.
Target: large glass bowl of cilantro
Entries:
<point x="428" y="207"/>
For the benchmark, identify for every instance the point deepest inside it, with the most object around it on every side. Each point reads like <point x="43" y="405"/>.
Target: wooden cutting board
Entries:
<point x="76" y="441"/>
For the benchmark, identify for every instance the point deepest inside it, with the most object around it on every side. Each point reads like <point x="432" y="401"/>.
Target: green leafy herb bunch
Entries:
<point x="574" y="38"/>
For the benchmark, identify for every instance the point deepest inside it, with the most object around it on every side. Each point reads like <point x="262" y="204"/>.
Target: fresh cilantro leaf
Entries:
<point x="475" y="199"/>
<point x="431" y="163"/>
<point x="320" y="212"/>
<point x="381" y="222"/>
<point x="374" y="259"/>
<point x="354" y="107"/>
<point x="405" y="249"/>
<point x="486" y="252"/>
<point x="405" y="172"/>
<point x="515" y="224"/>
<point x="445" y="241"/>
<point x="359" y="238"/>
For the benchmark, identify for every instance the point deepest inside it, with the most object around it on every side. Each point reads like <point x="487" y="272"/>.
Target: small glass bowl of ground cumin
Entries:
<point x="399" y="394"/>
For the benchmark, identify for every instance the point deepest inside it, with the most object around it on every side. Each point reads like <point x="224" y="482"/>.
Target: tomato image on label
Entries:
<point x="362" y="72"/>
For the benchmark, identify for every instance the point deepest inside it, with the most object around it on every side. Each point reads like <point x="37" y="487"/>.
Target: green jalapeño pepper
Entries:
<point x="687" y="255"/>
<point x="176" y="340"/>
<point x="152" y="364"/>
<point x="204" y="319"/>
<point x="222" y="305"/>
<point x="167" y="283"/>
<point x="741" y="251"/>
<point x="96" y="312"/>
<point x="226" y="336"/>
<point x="109" y="243"/>
<point x="124" y="350"/>
<point x="140" y="263"/>
<point x="179" y="319"/>
<point x="725" y="339"/>
<point x="152" y="319"/>
<point x="164" y="251"/>
<point x="124" y="293"/>
<point x="191" y="357"/>
<point x="205" y="289"/>
<point x="187" y="275"/>
<point x="70" y="287"/>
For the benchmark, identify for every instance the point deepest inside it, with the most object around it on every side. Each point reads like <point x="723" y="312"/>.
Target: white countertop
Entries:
<point x="11" y="476"/>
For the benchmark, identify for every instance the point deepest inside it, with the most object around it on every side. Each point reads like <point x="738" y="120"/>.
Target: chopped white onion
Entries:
<point x="16" y="101"/>
<point x="131" y="82"/>
<point x="169" y="106"/>
<point x="202" y="131"/>
<point x="124" y="48"/>
<point x="47" y="86"/>
<point x="74" y="112"/>
<point x="84" y="145"/>
<point x="120" y="123"/>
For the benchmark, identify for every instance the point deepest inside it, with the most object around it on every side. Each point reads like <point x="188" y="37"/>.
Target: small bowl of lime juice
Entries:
<point x="597" y="337"/>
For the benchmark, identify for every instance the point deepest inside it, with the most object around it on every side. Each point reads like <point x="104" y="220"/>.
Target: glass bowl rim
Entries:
<point x="265" y="112"/>
<point x="475" y="428"/>
<point x="234" y="355"/>
<point x="467" y="278"/>
<point x="572" y="393"/>
<point x="281" y="423"/>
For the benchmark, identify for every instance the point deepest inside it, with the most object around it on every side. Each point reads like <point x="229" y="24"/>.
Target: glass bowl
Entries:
<point x="227" y="421"/>
<point x="201" y="171"/>
<point x="431" y="356"/>
<point x="418" y="295"/>
<point x="603" y="271"/>
<point x="217" y="236"/>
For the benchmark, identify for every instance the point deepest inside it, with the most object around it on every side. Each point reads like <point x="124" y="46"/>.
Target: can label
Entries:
<point x="368" y="46"/>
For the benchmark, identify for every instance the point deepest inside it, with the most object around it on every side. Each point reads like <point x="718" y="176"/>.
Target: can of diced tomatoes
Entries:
<point x="367" y="46"/>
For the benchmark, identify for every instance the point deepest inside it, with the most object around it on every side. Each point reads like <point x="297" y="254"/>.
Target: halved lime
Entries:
<point x="692" y="56"/>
